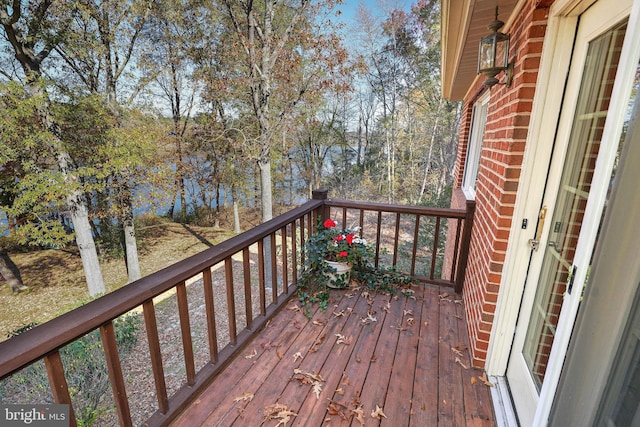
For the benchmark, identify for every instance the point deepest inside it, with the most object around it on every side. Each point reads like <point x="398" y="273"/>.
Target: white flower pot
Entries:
<point x="340" y="278"/>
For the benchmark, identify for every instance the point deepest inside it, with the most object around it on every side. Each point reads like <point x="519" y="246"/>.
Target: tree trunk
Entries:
<point x="11" y="273"/>
<point x="236" y="217"/>
<point x="434" y="131"/>
<point x="172" y="206"/>
<point x="82" y="227"/>
<point x="86" y="245"/>
<point x="266" y="201"/>
<point x="130" y="246"/>
<point x="267" y="214"/>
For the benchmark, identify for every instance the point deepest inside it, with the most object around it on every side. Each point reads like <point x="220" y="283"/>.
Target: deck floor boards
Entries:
<point x="407" y="355"/>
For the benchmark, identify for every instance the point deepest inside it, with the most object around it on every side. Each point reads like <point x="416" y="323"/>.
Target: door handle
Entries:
<point x="535" y="243"/>
<point x="572" y="276"/>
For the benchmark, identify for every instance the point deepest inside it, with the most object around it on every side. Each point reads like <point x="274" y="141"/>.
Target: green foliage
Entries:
<point x="33" y="191"/>
<point x="85" y="371"/>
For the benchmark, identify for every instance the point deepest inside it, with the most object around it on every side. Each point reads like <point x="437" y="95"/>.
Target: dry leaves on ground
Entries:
<point x="280" y="412"/>
<point x="482" y="379"/>
<point x="315" y="380"/>
<point x="377" y="413"/>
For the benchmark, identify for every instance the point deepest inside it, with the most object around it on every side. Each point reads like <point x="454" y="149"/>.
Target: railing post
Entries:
<point x="464" y="245"/>
<point x="58" y="383"/>
<point x="323" y="211"/>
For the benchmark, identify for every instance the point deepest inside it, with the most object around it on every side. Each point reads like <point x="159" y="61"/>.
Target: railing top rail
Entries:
<point x="384" y="207"/>
<point x="43" y="339"/>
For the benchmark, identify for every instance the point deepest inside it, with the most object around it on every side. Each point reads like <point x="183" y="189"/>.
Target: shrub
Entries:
<point x="85" y="371"/>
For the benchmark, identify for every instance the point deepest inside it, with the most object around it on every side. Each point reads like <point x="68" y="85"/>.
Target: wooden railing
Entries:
<point x="254" y="274"/>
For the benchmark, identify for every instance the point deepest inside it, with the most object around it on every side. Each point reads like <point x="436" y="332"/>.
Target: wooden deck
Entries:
<point x="405" y="357"/>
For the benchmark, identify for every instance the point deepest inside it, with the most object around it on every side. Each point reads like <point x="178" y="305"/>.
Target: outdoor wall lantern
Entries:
<point x="494" y="54"/>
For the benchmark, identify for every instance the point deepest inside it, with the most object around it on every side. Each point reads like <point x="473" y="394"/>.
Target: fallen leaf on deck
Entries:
<point x="377" y="413"/>
<point x="319" y="323"/>
<point x="459" y="362"/>
<point x="485" y="380"/>
<point x="309" y="378"/>
<point x="445" y="297"/>
<point x="369" y="319"/>
<point x="317" y="388"/>
<point x="295" y="307"/>
<point x="338" y="313"/>
<point x="343" y="340"/>
<point x="251" y="355"/>
<point x="407" y="312"/>
<point x="333" y="409"/>
<point x="457" y="351"/>
<point x="318" y="342"/>
<point x="411" y="321"/>
<point x="345" y="379"/>
<point x="247" y="395"/>
<point x="359" y="413"/>
<point x="458" y="301"/>
<point x="297" y="356"/>
<point x="315" y="377"/>
<point x="474" y="380"/>
<point x="340" y="391"/>
<point x="280" y="412"/>
<point x="387" y="307"/>
<point x="356" y="399"/>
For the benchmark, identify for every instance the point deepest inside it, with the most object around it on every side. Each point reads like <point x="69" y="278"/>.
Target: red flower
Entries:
<point x="343" y="254"/>
<point x="329" y="223"/>
<point x="338" y="238"/>
<point x="350" y="238"/>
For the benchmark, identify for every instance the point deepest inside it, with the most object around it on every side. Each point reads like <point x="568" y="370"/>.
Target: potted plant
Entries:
<point x="331" y="244"/>
<point x="331" y="253"/>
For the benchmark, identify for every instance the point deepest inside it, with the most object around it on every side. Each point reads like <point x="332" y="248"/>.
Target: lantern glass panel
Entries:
<point x="486" y="54"/>
<point x="502" y="52"/>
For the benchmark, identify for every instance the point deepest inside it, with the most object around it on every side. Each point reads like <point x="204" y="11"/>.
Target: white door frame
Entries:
<point x="546" y="108"/>
<point x="552" y="74"/>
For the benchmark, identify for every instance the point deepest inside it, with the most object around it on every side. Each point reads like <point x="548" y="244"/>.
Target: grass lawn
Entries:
<point x="56" y="280"/>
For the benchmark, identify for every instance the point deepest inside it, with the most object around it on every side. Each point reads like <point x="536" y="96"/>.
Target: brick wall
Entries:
<point x="499" y="171"/>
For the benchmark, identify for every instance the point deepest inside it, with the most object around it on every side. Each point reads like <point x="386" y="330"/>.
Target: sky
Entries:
<point x="350" y="6"/>
<point x="376" y="7"/>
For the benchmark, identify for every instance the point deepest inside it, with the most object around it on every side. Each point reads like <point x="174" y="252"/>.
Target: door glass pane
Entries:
<point x="583" y="147"/>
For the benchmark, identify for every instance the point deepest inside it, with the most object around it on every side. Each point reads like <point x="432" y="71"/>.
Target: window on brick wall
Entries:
<point x="474" y="146"/>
